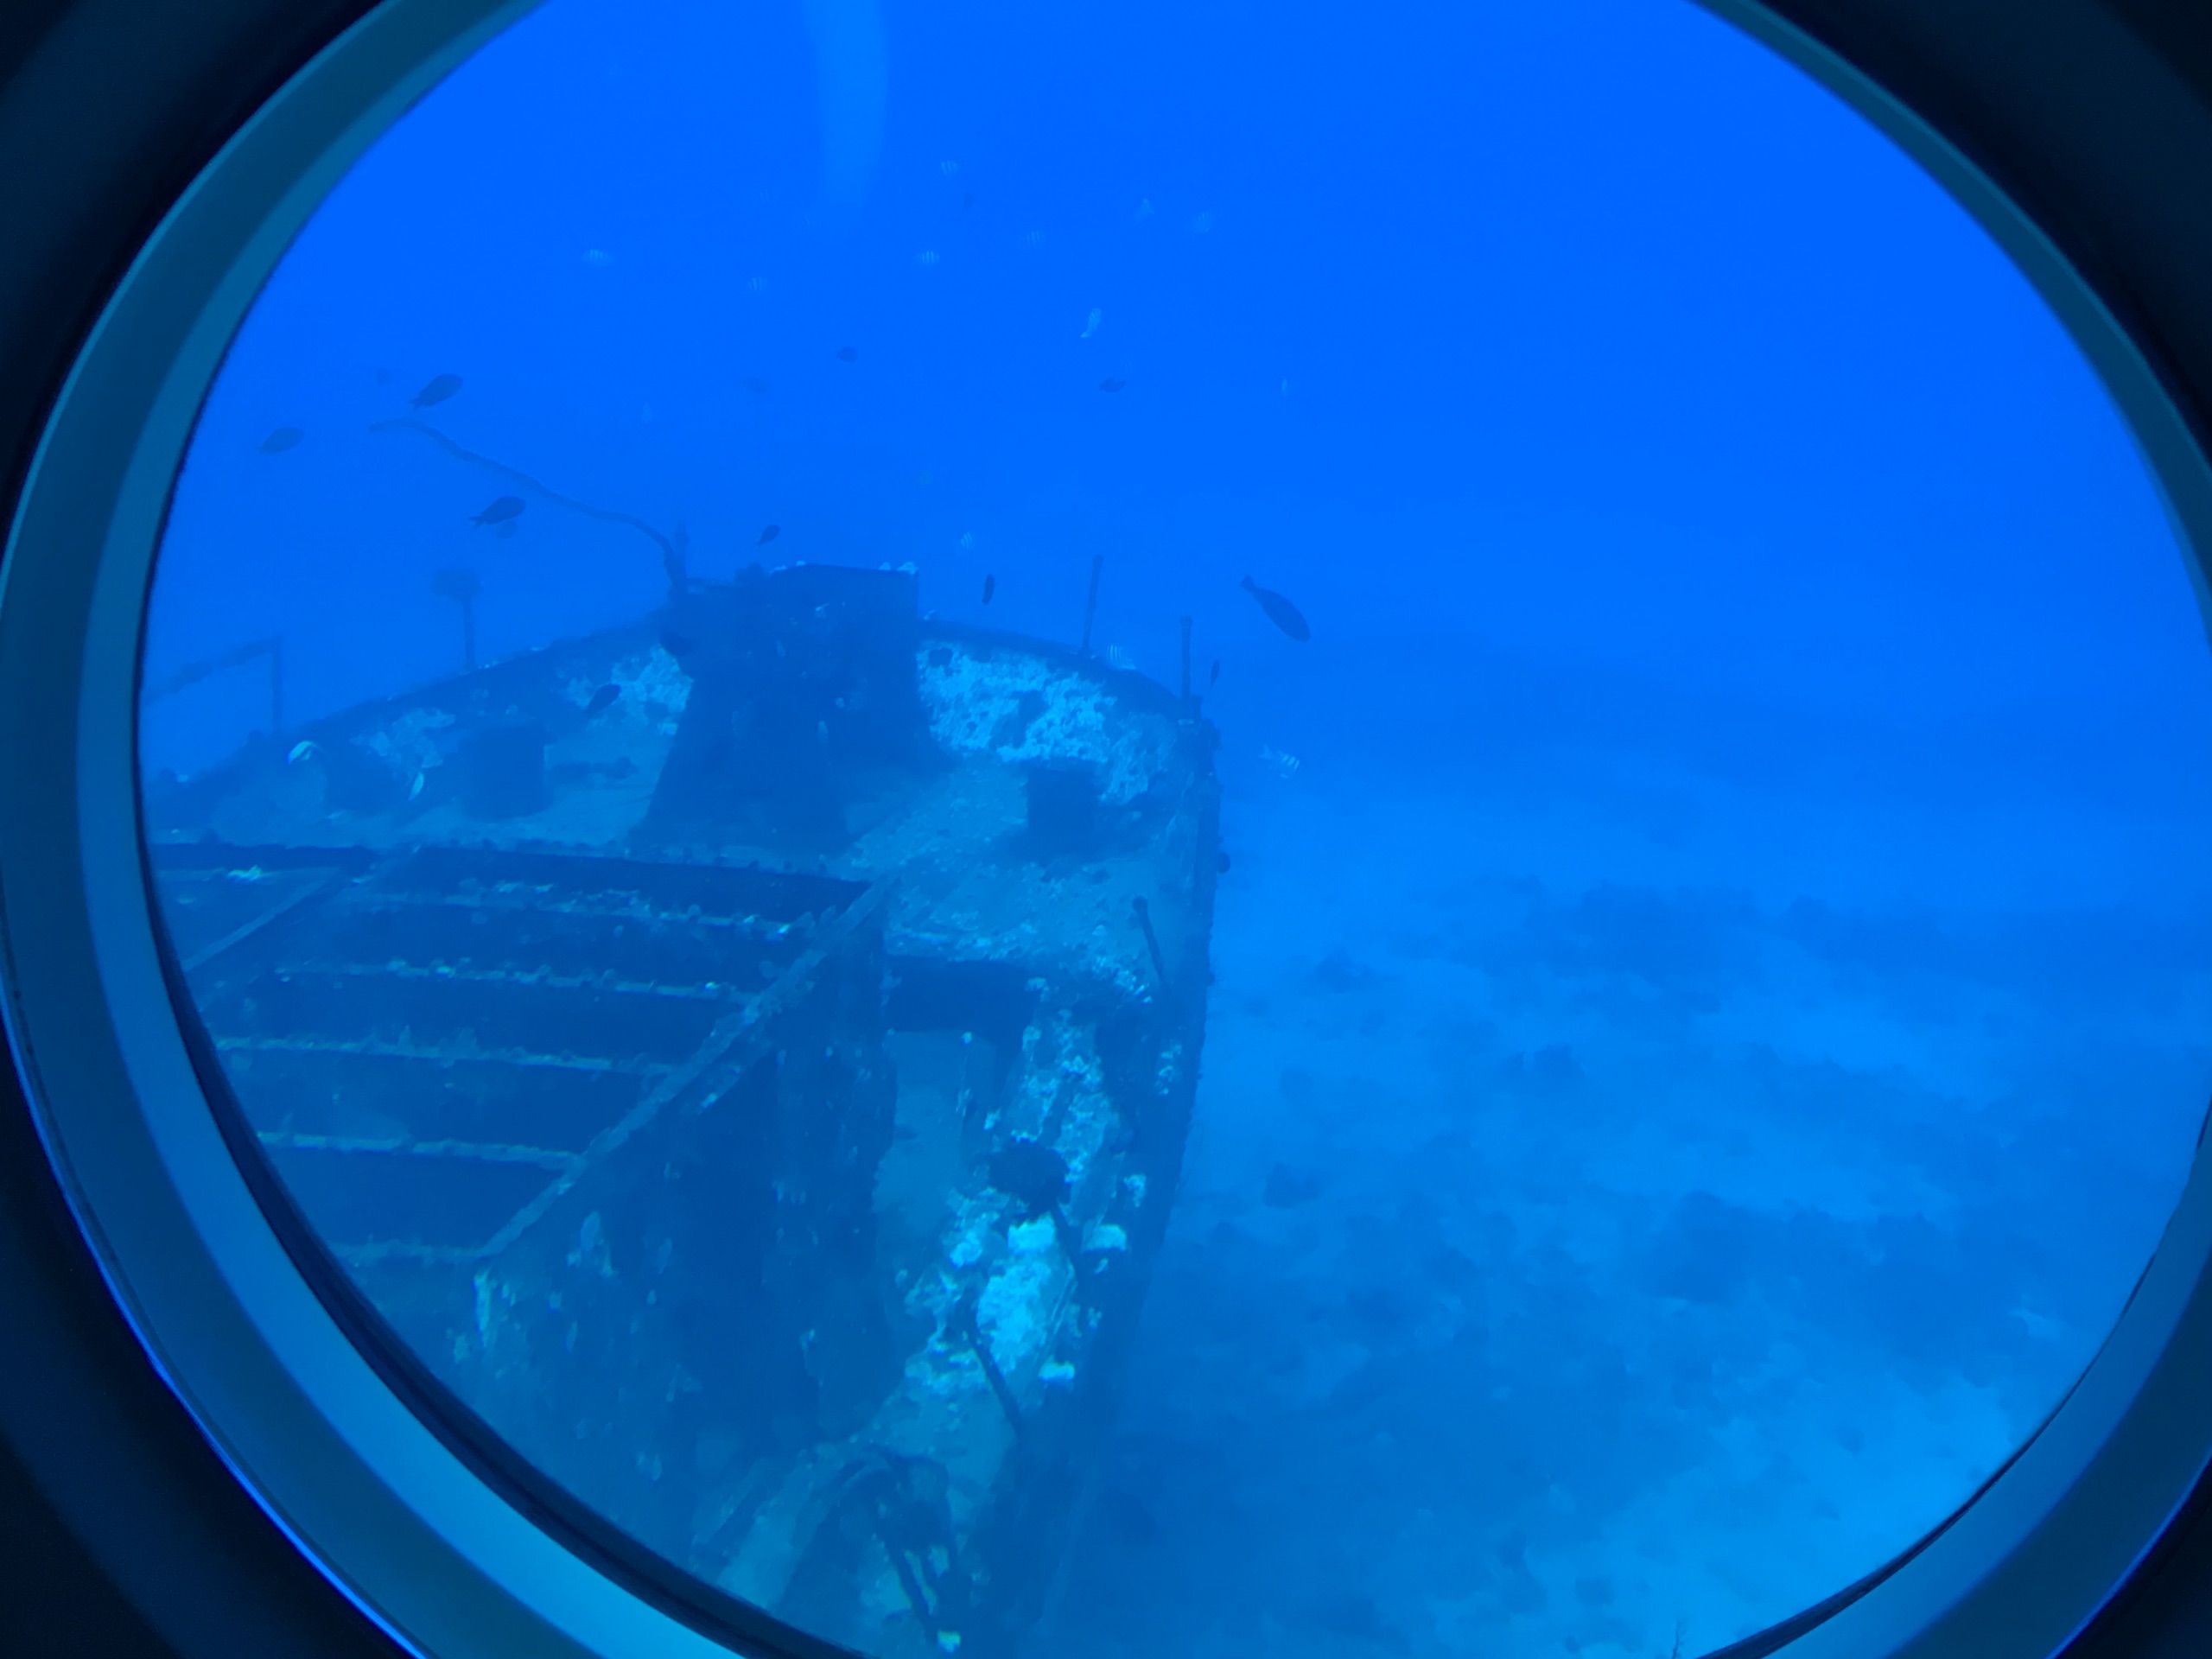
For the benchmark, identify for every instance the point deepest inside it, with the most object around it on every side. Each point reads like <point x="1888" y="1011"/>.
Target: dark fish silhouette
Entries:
<point x="1286" y="1187"/>
<point x="1031" y="1172"/>
<point x="769" y="534"/>
<point x="437" y="391"/>
<point x="1281" y="611"/>
<point x="1111" y="385"/>
<point x="602" y="700"/>
<point x="676" y="645"/>
<point x="849" y="354"/>
<point x="1213" y="674"/>
<point x="506" y="507"/>
<point x="758" y="388"/>
<point x="990" y="587"/>
<point x="284" y="438"/>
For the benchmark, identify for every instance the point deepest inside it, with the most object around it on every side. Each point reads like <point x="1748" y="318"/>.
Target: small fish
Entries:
<point x="248" y="876"/>
<point x="416" y="788"/>
<point x="676" y="645"/>
<point x="990" y="587"/>
<point x="598" y="258"/>
<point x="1116" y="657"/>
<point x="284" y="438"/>
<point x="927" y="259"/>
<point x="1030" y="1171"/>
<point x="1201" y="224"/>
<point x="602" y="700"/>
<point x="1091" y="327"/>
<point x="849" y="354"/>
<point x="758" y="387"/>
<point x="967" y="538"/>
<point x="1213" y="674"/>
<point x="1109" y="383"/>
<point x="768" y="535"/>
<point x="437" y="391"/>
<point x="1284" y="763"/>
<point x="948" y="168"/>
<point x="1281" y="611"/>
<point x="302" y="750"/>
<point x="506" y="507"/>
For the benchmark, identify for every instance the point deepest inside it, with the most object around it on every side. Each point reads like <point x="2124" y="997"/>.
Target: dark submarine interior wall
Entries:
<point x="120" y="1531"/>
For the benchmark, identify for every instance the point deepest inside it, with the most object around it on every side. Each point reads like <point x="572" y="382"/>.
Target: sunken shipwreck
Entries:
<point x="745" y="1058"/>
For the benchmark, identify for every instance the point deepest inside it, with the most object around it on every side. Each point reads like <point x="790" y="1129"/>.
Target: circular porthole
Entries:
<point x="1144" y="831"/>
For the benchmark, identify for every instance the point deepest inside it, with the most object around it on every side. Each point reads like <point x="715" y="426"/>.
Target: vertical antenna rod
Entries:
<point x="1090" y="604"/>
<point x="1152" y="942"/>
<point x="461" y="586"/>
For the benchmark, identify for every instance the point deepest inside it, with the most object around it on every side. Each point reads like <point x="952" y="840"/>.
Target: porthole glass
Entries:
<point x="1210" y="831"/>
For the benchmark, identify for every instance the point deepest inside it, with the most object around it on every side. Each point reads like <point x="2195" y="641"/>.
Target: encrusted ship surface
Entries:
<point x="758" y="1092"/>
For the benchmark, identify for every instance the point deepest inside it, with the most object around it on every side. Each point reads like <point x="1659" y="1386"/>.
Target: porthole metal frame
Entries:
<point x="405" y="1526"/>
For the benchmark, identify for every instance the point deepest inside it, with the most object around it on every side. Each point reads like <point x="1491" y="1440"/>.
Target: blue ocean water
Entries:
<point x="1712" y="975"/>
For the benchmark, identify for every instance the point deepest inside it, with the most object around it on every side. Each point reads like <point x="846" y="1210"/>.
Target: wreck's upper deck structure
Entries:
<point x="747" y="1057"/>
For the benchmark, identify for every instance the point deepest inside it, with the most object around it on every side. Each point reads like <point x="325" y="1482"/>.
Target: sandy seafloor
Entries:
<point x="1640" y="1182"/>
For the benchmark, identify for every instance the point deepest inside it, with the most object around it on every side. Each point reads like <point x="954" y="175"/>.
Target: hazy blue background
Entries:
<point x="1711" y="1028"/>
